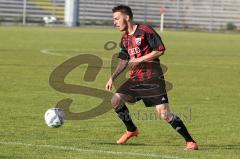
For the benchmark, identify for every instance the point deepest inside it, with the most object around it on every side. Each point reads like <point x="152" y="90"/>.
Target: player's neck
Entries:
<point x="131" y="28"/>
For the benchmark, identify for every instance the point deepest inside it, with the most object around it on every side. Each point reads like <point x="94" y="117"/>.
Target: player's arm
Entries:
<point x="151" y="56"/>
<point x="122" y="64"/>
<point x="147" y="57"/>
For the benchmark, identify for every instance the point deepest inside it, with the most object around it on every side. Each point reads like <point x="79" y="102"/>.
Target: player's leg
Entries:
<point x="118" y="103"/>
<point x="165" y="113"/>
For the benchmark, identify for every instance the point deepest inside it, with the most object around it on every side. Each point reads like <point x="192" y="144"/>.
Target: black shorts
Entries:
<point x="151" y="91"/>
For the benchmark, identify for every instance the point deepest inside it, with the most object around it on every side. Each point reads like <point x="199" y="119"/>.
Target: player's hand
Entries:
<point x="134" y="62"/>
<point x="109" y="84"/>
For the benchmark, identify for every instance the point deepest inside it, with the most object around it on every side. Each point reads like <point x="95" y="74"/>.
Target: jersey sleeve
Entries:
<point x="154" y="40"/>
<point x="123" y="54"/>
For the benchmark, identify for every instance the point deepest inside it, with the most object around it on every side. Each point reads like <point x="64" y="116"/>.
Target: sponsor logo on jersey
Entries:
<point x="134" y="51"/>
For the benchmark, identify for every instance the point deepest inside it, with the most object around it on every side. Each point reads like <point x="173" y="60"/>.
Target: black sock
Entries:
<point x="123" y="114"/>
<point x="178" y="125"/>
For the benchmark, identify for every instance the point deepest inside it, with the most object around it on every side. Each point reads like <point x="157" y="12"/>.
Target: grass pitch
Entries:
<point x="204" y="69"/>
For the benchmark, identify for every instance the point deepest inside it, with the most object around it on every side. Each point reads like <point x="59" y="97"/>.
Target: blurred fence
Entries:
<point x="193" y="14"/>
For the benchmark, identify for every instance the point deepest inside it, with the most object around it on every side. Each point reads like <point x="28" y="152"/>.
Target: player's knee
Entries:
<point x="116" y="100"/>
<point x="166" y="116"/>
<point x="164" y="112"/>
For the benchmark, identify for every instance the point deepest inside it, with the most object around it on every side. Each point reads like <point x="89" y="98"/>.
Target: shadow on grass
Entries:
<point x="138" y="144"/>
<point x="114" y="143"/>
<point x="201" y="147"/>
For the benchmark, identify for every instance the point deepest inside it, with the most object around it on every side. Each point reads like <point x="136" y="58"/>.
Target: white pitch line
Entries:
<point x="92" y="150"/>
<point x="76" y="52"/>
<point x="48" y="52"/>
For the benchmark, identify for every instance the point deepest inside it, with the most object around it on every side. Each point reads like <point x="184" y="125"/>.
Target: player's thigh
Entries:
<point x="126" y="93"/>
<point x="120" y="98"/>
<point x="152" y="92"/>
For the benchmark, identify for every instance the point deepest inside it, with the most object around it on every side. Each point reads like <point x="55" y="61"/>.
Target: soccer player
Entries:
<point x="141" y="48"/>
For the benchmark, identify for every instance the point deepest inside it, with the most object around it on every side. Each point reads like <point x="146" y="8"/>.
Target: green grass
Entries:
<point x="204" y="69"/>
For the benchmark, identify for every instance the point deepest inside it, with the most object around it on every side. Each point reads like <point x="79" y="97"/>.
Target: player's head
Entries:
<point x="122" y="15"/>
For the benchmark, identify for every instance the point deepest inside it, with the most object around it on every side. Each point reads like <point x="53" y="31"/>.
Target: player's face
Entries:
<point x="120" y="21"/>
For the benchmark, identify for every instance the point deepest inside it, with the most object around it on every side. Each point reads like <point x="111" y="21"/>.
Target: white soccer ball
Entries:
<point x="54" y="117"/>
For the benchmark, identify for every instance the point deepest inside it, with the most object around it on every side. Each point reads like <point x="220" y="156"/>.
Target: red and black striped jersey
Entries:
<point x="143" y="41"/>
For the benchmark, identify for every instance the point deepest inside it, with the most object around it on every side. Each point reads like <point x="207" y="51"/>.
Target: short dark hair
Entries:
<point x="123" y="9"/>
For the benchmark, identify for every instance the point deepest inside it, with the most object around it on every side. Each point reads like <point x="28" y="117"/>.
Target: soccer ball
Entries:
<point x="54" y="117"/>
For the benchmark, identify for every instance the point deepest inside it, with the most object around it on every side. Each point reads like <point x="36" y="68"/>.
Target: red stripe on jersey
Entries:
<point x="146" y="49"/>
<point x="149" y="69"/>
<point x="136" y="74"/>
<point x="161" y="48"/>
<point x="147" y="29"/>
<point x="140" y="74"/>
<point x="130" y="46"/>
<point x="138" y="71"/>
<point x="125" y="41"/>
<point x="133" y="39"/>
